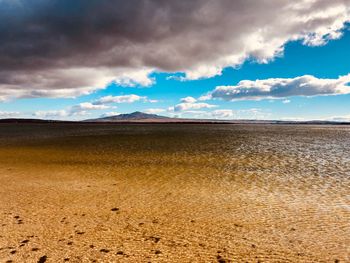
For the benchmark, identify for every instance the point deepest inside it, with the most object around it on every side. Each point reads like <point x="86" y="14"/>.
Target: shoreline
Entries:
<point x="180" y="122"/>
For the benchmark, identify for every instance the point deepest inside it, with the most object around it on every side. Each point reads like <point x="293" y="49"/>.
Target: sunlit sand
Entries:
<point x="174" y="193"/>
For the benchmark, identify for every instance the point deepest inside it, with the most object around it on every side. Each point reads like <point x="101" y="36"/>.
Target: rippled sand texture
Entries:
<point x="174" y="193"/>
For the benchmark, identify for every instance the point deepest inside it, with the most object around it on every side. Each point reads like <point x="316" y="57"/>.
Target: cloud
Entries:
<point x="120" y="99"/>
<point x="205" y="97"/>
<point x="88" y="106"/>
<point x="293" y="119"/>
<point x="339" y="118"/>
<point x="9" y="114"/>
<point x="154" y="111"/>
<point x="188" y="100"/>
<point x="81" y="109"/>
<point x="198" y="114"/>
<point x="65" y="83"/>
<point x="253" y="114"/>
<point x="191" y="106"/>
<point x="52" y="114"/>
<point x="64" y="48"/>
<point x="109" y="114"/>
<point x="222" y="114"/>
<point x="344" y="118"/>
<point x="279" y="88"/>
<point x="202" y="114"/>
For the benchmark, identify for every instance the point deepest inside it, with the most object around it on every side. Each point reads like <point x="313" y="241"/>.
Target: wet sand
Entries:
<point x="174" y="193"/>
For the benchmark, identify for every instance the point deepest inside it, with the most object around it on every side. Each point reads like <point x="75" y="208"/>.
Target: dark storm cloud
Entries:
<point x="58" y="33"/>
<point x="68" y="48"/>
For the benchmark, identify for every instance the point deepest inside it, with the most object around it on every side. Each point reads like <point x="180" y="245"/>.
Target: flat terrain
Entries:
<point x="174" y="193"/>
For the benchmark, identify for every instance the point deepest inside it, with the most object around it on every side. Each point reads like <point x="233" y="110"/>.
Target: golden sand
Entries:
<point x="167" y="194"/>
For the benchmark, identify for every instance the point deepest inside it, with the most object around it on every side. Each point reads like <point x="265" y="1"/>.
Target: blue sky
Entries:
<point x="297" y="76"/>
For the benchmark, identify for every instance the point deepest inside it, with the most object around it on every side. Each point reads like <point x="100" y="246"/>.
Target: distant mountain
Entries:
<point x="136" y="116"/>
<point x="141" y="117"/>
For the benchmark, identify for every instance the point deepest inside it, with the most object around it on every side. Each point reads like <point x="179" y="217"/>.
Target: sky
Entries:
<point x="241" y="59"/>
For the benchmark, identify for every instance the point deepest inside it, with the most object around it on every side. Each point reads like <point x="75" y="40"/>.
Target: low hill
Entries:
<point x="136" y="116"/>
<point x="141" y="117"/>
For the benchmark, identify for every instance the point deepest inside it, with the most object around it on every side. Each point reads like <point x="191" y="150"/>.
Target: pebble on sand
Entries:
<point x="42" y="259"/>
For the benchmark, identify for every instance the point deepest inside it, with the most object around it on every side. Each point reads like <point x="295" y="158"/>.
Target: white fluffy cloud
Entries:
<point x="345" y="118"/>
<point x="88" y="106"/>
<point x="188" y="100"/>
<point x="203" y="114"/>
<point x="120" y="99"/>
<point x="222" y="114"/>
<point x="225" y="114"/>
<point x="81" y="109"/>
<point x="9" y="114"/>
<point x="155" y="111"/>
<point x="253" y="114"/>
<point x="55" y="50"/>
<point x="340" y="118"/>
<point x="191" y="106"/>
<point x="282" y="88"/>
<point x="52" y="114"/>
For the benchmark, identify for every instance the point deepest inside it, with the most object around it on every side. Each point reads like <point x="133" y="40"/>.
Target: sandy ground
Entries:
<point x="60" y="206"/>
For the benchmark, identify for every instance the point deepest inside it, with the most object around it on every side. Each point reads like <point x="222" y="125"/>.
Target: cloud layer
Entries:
<point x="64" y="48"/>
<point x="282" y="88"/>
